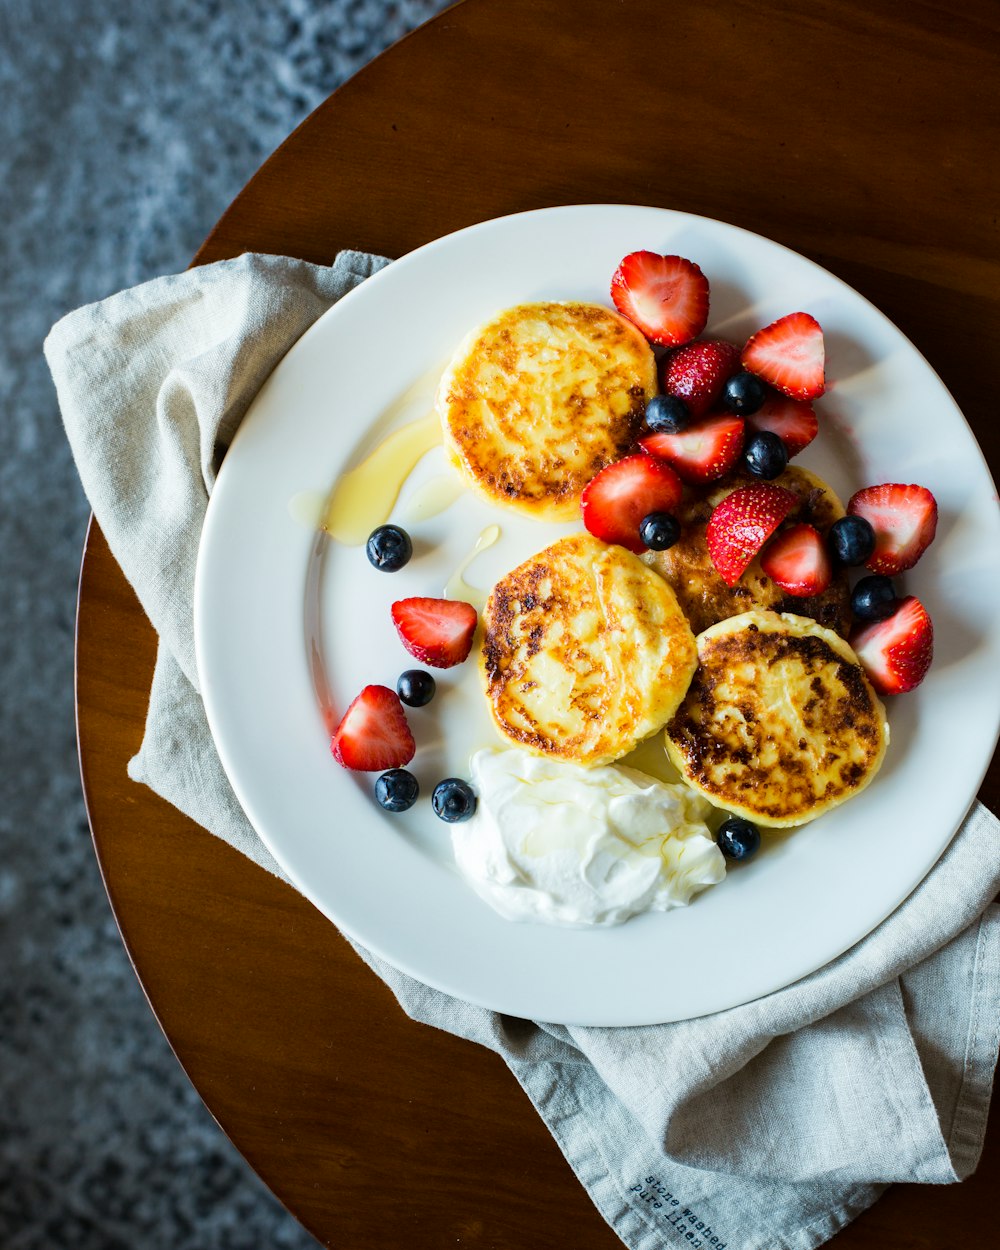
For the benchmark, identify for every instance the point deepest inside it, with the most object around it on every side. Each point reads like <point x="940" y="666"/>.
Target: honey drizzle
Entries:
<point x="364" y="497"/>
<point x="432" y="497"/>
<point x="458" y="587"/>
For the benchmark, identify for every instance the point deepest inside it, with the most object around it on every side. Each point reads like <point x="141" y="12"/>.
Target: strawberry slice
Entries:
<point x="797" y="560"/>
<point x="742" y="523"/>
<point x="615" y="502"/>
<point x="904" y="519"/>
<point x="437" y="632"/>
<point x="896" y="653"/>
<point x="373" y="734"/>
<point x="794" y="422"/>
<point x="789" y="354"/>
<point x="697" y="372"/>
<point x="707" y="449"/>
<point x="666" y="297"/>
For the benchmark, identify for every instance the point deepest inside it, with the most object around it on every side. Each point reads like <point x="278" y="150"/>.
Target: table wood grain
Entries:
<point x="862" y="135"/>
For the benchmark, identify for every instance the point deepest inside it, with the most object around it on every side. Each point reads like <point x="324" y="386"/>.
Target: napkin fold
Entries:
<point x="766" y="1127"/>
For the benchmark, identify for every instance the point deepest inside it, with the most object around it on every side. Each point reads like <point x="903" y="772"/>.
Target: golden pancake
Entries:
<point x="703" y="594"/>
<point x="780" y="722"/>
<point x="542" y="397"/>
<point x="585" y="652"/>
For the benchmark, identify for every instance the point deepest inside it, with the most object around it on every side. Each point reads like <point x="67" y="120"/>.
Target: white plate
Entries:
<point x="285" y="621"/>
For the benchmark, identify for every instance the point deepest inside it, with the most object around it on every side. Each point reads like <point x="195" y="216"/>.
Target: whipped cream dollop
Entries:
<point x="568" y="845"/>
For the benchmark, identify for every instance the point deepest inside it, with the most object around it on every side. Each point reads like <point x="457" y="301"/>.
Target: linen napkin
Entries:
<point x="766" y="1127"/>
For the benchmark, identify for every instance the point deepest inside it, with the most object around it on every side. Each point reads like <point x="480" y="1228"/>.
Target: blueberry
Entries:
<point x="666" y="414"/>
<point x="389" y="548"/>
<point x="851" y="540"/>
<point x="415" y="687"/>
<point x="659" y="530"/>
<point x="453" y="800"/>
<point x="738" y="838"/>
<point x="397" y="790"/>
<point x="744" y="393"/>
<point x="873" y="598"/>
<point x="765" y="455"/>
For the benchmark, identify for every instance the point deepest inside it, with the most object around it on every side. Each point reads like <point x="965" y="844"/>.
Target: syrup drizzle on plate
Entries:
<point x="364" y="497"/>
<point x="431" y="498"/>
<point x="457" y="587"/>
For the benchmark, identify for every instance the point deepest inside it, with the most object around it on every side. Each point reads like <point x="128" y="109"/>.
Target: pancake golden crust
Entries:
<point x="585" y="652"/>
<point x="780" y="722"/>
<point x="703" y="594"/>
<point x="539" y="399"/>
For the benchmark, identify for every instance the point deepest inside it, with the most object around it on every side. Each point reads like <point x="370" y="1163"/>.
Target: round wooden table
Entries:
<point x="865" y="137"/>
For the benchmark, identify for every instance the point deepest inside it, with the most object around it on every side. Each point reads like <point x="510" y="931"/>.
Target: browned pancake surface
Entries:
<point x="539" y="399"/>
<point x="585" y="652"/>
<point x="780" y="722"/>
<point x="703" y="594"/>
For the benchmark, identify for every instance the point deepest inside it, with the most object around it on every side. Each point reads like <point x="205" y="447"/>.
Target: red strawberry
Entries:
<point x="904" y="519"/>
<point x="794" y="422"/>
<point x="897" y="653"/>
<point x="665" y="296"/>
<point x="616" y="500"/>
<point x="373" y="734"/>
<point x="437" y="632"/>
<point x="698" y="371"/>
<point x="789" y="354"/>
<point x="797" y="560"/>
<point x="742" y="523"/>
<point x="707" y="449"/>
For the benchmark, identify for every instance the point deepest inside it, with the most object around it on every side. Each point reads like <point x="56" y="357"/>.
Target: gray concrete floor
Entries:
<point x="125" y="130"/>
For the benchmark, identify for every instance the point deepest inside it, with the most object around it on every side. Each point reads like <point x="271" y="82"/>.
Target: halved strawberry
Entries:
<point x="666" y="297"/>
<point x="896" y="653"/>
<point x="707" y="449"/>
<point x="793" y="421"/>
<point x="742" y="523"/>
<point x="373" y="734"/>
<point x="616" y="500"/>
<point x="437" y="632"/>
<point x="797" y="560"/>
<point x="789" y="354"/>
<point x="904" y="519"/>
<point x="698" y="371"/>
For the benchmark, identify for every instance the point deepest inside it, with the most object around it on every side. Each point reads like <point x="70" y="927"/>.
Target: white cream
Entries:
<point x="567" y="845"/>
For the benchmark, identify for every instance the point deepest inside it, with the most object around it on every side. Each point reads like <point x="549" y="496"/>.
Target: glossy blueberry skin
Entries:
<point x="666" y="414"/>
<point x="415" y="687"/>
<point x="873" y="598"/>
<point x="851" y="540"/>
<point x="389" y="548"/>
<point x="765" y="455"/>
<point x="659" y="530"/>
<point x="738" y="838"/>
<point x="453" y="800"/>
<point x="744" y="393"/>
<point x="397" y="790"/>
